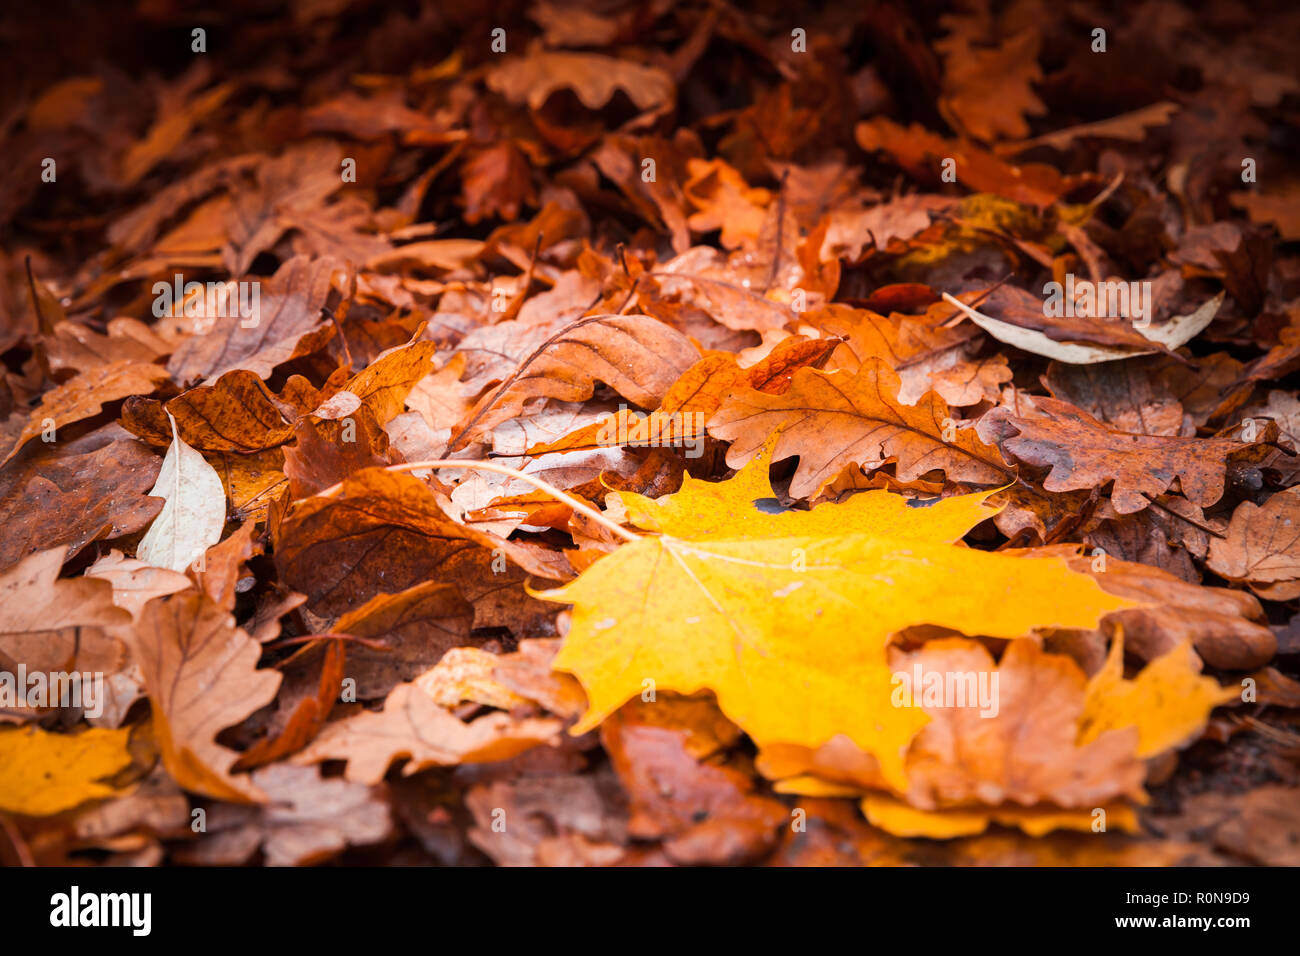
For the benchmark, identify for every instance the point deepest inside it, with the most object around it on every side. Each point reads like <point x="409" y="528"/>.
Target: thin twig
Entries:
<point x="42" y="324"/>
<point x="1194" y="524"/>
<point x="627" y="300"/>
<point x="25" y="857"/>
<point x="338" y="327"/>
<point x="780" y="228"/>
<point x="522" y="297"/>
<point x="578" y="506"/>
<point x="979" y="300"/>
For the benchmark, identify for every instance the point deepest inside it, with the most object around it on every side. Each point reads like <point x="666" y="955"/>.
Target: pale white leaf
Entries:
<point x="194" y="515"/>
<point x="1177" y="331"/>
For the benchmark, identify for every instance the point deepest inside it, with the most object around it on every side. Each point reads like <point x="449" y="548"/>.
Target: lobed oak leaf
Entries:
<point x="386" y="532"/>
<point x="1130" y="396"/>
<point x="34" y="598"/>
<point x="1227" y="627"/>
<point x="703" y="387"/>
<point x="236" y="413"/>
<point x="702" y="288"/>
<point x="287" y="324"/>
<point x="1038" y="749"/>
<point x="84" y="395"/>
<point x="308" y="819"/>
<point x="1025" y="746"/>
<point x="412" y="726"/>
<point x="852" y="229"/>
<point x="200" y="672"/>
<point x="289" y="192"/>
<point x="1262" y="545"/>
<point x="78" y="347"/>
<point x="592" y="77"/>
<point x="988" y="90"/>
<point x="832" y="420"/>
<point x="926" y="354"/>
<point x="1083" y="454"/>
<point x="72" y="499"/>
<point x="136" y="583"/>
<point x="724" y="201"/>
<point x="922" y="152"/>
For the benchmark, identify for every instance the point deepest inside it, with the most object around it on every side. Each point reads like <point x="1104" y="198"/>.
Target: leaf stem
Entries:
<point x="579" y="506"/>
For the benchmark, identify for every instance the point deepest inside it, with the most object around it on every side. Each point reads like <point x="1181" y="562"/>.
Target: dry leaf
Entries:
<point x="201" y="675"/>
<point x="194" y="515"/>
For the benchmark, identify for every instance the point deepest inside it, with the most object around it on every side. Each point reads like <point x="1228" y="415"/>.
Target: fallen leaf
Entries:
<point x="43" y="773"/>
<point x="287" y="324"/>
<point x="415" y="628"/>
<point x="74" y="499"/>
<point x="1082" y="453"/>
<point x="201" y="675"/>
<point x="1168" y="702"/>
<point x="194" y="515"/>
<point x="633" y="354"/>
<point x="1262" y="545"/>
<point x="593" y="79"/>
<point x="833" y="420"/>
<point x="308" y="820"/>
<point x="412" y="726"/>
<point x="85" y="395"/>
<point x="762" y="619"/>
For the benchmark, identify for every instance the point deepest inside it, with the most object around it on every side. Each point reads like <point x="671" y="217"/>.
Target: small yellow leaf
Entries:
<point x="1168" y="702"/>
<point x="746" y="506"/>
<point x="43" y="773"/>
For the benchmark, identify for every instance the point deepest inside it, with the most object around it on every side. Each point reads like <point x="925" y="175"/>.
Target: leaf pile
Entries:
<point x="754" y="436"/>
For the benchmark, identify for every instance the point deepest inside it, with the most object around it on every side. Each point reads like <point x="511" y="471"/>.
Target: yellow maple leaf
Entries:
<point x="745" y="506"/>
<point x="43" y="773"/>
<point x="786" y="617"/>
